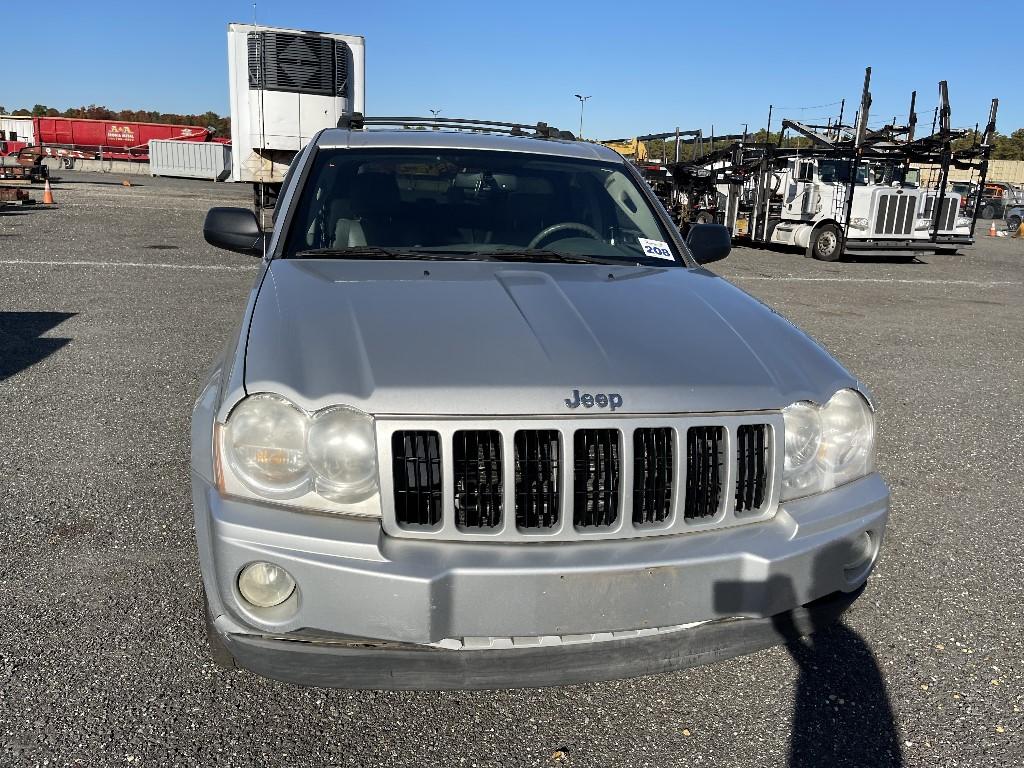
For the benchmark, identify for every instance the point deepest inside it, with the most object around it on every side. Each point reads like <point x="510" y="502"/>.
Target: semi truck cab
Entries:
<point x="890" y="212"/>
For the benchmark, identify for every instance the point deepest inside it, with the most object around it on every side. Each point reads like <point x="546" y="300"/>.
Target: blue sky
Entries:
<point x="649" y="67"/>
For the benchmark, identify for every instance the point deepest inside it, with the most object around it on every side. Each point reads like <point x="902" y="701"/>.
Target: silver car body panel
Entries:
<point x="356" y="580"/>
<point x="493" y="345"/>
<point x="483" y="338"/>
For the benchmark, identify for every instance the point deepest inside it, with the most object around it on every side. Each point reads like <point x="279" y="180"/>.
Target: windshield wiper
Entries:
<point x="541" y="255"/>
<point x="377" y="252"/>
<point x="537" y="255"/>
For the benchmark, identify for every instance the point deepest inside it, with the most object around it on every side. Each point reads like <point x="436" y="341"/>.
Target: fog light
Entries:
<point x="265" y="584"/>
<point x="862" y="552"/>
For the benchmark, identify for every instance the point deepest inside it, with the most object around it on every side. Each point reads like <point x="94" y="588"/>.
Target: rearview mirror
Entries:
<point x="234" y="229"/>
<point x="709" y="242"/>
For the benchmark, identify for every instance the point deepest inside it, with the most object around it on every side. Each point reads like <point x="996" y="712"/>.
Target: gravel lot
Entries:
<point x="111" y="307"/>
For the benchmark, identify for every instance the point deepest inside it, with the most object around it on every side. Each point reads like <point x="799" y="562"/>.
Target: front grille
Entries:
<point x="751" y="466"/>
<point x="596" y="477"/>
<point x="541" y="479"/>
<point x="479" y="491"/>
<point x="703" y="472"/>
<point x="538" y="462"/>
<point x="895" y="215"/>
<point x="950" y="210"/>
<point x="416" y="473"/>
<point x="652" y="475"/>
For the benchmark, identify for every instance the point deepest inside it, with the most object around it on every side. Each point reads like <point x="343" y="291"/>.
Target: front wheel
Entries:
<point x="988" y="212"/>
<point x="1013" y="223"/>
<point x="826" y="243"/>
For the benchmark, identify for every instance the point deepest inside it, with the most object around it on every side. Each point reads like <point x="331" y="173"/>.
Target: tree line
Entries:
<point x="1004" y="147"/>
<point x="222" y="125"/>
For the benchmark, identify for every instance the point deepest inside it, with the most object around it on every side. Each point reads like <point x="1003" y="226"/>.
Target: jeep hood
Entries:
<point x="485" y="338"/>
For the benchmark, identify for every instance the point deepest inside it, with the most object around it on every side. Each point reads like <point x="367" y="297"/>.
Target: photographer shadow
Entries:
<point x="842" y="715"/>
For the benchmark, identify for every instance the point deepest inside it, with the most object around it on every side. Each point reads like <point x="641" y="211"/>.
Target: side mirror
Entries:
<point x="234" y="229"/>
<point x="709" y="242"/>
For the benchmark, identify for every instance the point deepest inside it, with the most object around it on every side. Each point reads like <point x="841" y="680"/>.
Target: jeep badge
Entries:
<point x="587" y="400"/>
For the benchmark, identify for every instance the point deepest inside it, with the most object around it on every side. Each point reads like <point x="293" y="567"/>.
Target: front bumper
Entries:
<point x="957" y="240"/>
<point x="368" y="666"/>
<point x="894" y="247"/>
<point x="360" y="592"/>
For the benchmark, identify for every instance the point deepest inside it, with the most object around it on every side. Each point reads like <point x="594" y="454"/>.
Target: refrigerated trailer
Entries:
<point x="286" y="85"/>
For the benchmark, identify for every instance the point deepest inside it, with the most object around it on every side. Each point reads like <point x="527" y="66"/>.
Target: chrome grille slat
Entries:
<point x="416" y="465"/>
<point x="477" y="477"/>
<point x="597" y="463"/>
<point x="704" y="459"/>
<point x="750" y="466"/>
<point x="550" y="495"/>
<point x="538" y="478"/>
<point x="654" y="472"/>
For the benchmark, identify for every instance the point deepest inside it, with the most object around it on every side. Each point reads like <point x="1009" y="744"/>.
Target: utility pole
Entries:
<point x="583" y="100"/>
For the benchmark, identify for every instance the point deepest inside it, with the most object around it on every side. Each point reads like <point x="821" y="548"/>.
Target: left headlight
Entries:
<point x="270" y="449"/>
<point x="827" y="446"/>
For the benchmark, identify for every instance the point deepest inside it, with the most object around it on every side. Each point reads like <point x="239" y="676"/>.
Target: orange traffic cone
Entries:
<point x="992" y="228"/>
<point x="47" y="194"/>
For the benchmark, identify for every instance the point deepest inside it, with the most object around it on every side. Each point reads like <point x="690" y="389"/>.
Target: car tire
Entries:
<point x="988" y="212"/>
<point x="1013" y="223"/>
<point x="826" y="243"/>
<point x="218" y="650"/>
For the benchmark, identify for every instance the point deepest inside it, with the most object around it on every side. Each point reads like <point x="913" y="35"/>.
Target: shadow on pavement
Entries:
<point x="21" y="345"/>
<point x="842" y="715"/>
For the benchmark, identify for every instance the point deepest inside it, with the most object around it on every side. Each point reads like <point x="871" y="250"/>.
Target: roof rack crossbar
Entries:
<point x="356" y="121"/>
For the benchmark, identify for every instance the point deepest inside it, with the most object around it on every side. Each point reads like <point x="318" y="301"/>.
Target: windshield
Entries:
<point x="474" y="204"/>
<point x="839" y="171"/>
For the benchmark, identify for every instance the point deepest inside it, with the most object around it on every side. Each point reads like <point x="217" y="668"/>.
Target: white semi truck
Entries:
<point x="889" y="211"/>
<point x="844" y="190"/>
<point x="286" y="85"/>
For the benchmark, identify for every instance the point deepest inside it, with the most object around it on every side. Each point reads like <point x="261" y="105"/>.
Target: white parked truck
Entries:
<point x="843" y="190"/>
<point x="286" y="86"/>
<point x="889" y="212"/>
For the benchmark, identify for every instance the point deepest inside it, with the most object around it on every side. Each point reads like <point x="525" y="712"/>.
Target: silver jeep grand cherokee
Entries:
<point x="488" y="423"/>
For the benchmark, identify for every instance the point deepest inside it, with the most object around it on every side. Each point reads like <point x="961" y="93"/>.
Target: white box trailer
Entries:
<point x="286" y="85"/>
<point x="190" y="159"/>
<point x="18" y="128"/>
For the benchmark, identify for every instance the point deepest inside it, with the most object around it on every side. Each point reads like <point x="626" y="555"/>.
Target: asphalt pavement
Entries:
<point x="111" y="308"/>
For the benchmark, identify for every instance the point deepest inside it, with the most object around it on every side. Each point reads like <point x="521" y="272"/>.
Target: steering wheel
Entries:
<point x="547" y="232"/>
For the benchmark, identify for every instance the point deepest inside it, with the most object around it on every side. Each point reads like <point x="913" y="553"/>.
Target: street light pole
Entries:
<point x="435" y="113"/>
<point x="582" y="99"/>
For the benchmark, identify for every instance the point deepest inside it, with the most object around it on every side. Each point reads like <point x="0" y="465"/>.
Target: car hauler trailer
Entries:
<point x="73" y="138"/>
<point x="651" y="155"/>
<point x="286" y="85"/>
<point x="847" y="191"/>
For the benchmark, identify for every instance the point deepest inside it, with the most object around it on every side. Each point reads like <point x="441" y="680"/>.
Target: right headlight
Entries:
<point x="827" y="445"/>
<point x="270" y="449"/>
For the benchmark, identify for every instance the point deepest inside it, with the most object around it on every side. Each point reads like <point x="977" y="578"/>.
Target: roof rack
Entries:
<point x="356" y="121"/>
